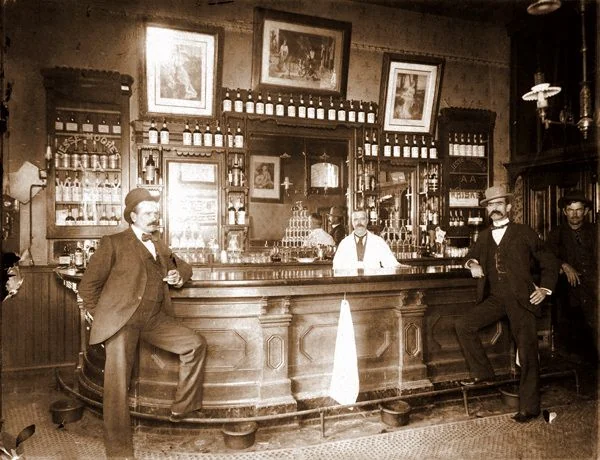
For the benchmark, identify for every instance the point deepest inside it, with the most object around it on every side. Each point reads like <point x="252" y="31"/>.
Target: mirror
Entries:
<point x="312" y="170"/>
<point x="396" y="199"/>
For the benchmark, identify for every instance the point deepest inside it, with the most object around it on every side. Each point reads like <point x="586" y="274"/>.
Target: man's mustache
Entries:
<point x="495" y="212"/>
<point x="154" y="222"/>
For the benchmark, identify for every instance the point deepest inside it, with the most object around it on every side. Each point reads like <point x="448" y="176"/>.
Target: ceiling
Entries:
<point x="491" y="11"/>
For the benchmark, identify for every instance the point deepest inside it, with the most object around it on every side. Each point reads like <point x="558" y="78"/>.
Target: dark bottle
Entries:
<point x="150" y="170"/>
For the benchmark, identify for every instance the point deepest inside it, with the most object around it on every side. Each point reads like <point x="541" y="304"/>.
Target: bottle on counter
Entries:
<point x="79" y="257"/>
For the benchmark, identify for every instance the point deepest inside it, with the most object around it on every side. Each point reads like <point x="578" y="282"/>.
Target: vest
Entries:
<point x="496" y="259"/>
<point x="154" y="287"/>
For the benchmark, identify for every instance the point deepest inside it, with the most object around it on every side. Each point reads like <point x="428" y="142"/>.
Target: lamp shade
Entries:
<point x="543" y="7"/>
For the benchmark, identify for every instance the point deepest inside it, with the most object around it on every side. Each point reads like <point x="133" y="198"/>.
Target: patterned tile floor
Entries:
<point x="437" y="429"/>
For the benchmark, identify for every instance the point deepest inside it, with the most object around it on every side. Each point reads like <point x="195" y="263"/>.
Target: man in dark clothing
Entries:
<point x="336" y="220"/>
<point x="126" y="289"/>
<point x="501" y="259"/>
<point x="575" y="246"/>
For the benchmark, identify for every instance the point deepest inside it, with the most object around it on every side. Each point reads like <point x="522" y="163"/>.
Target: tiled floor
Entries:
<point x="438" y="428"/>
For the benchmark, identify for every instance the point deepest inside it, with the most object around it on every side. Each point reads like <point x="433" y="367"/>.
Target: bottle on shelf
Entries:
<point x="387" y="147"/>
<point x="240" y="214"/>
<point x="433" y="149"/>
<point x="269" y="107"/>
<point x="114" y="219"/>
<point x="301" y="108"/>
<point x="341" y="113"/>
<point x="207" y="137"/>
<point x="116" y="126"/>
<point x="164" y="133"/>
<point x="351" y="113"/>
<point x="150" y="170"/>
<point x="104" y="217"/>
<point x="107" y="192"/>
<point x="229" y="137"/>
<point x="116" y="190"/>
<point x="230" y="213"/>
<point x="79" y="220"/>
<point x="456" y="145"/>
<point x="406" y="147"/>
<point x="371" y="118"/>
<point x="462" y="146"/>
<point x="187" y="134"/>
<point x="414" y="148"/>
<point x="331" y="112"/>
<point x="291" y="108"/>
<point x="113" y="159"/>
<point x="103" y="159"/>
<point x="361" y="116"/>
<point x="102" y="127"/>
<point x="238" y="141"/>
<point x="67" y="193"/>
<point x="450" y="145"/>
<point x="227" y="103"/>
<point x="311" y="112"/>
<point x="72" y="124"/>
<point x="238" y="104"/>
<point x="236" y="173"/>
<point x="249" y="103"/>
<point x="367" y="144"/>
<point x="59" y="124"/>
<point x="433" y="179"/>
<point x="260" y="105"/>
<point x="396" y="150"/>
<point x="424" y="149"/>
<point x="152" y="133"/>
<point x="58" y="188"/>
<point x="79" y="257"/>
<point x="360" y="178"/>
<point x="69" y="220"/>
<point x="88" y="127"/>
<point x="468" y="146"/>
<point x="74" y="160"/>
<point x="374" y="144"/>
<point x="218" y="137"/>
<point x="91" y="214"/>
<point x="320" y="110"/>
<point x="76" y="194"/>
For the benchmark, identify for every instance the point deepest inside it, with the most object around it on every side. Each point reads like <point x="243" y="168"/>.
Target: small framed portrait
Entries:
<point x="265" y="178"/>
<point x="182" y="71"/>
<point x="300" y="53"/>
<point x="410" y="88"/>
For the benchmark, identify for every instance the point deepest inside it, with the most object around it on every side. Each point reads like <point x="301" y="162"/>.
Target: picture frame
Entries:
<point x="298" y="53"/>
<point x="265" y="178"/>
<point x="410" y="89"/>
<point x="181" y="71"/>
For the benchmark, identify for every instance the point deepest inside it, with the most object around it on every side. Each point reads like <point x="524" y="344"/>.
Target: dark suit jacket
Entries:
<point x="115" y="279"/>
<point x="523" y="248"/>
<point x="338" y="233"/>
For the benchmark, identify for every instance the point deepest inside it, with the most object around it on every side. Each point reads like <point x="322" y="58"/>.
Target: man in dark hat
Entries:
<point x="126" y="289"/>
<point x="575" y="245"/>
<point x="336" y="219"/>
<point x="501" y="260"/>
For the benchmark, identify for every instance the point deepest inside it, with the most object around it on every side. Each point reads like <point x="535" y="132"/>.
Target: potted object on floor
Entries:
<point x="395" y="413"/>
<point x="239" y="435"/>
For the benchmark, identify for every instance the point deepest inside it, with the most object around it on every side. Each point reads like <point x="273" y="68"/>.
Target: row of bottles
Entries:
<point x="94" y="187"/>
<point x="236" y="210"/>
<point x="212" y="136"/>
<point x="429" y="178"/>
<point x="235" y="171"/>
<point x="415" y="146"/>
<point x="366" y="177"/>
<point x="466" y="145"/>
<point x="79" y="122"/>
<point x="98" y="153"/>
<point x="295" y="106"/>
<point x="89" y="213"/>
<point x="76" y="256"/>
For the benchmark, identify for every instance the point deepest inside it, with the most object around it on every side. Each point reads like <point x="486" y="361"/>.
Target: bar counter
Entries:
<point x="271" y="333"/>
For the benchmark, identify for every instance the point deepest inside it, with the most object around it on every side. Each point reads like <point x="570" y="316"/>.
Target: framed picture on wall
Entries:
<point x="300" y="53"/>
<point x="182" y="71"/>
<point x="410" y="89"/>
<point x="265" y="178"/>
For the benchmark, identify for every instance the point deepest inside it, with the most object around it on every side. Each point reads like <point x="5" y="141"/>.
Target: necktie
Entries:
<point x="147" y="237"/>
<point x="498" y="227"/>
<point x="360" y="248"/>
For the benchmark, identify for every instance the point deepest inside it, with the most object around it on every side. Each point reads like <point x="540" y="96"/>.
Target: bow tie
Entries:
<point x="498" y="227"/>
<point x="147" y="237"/>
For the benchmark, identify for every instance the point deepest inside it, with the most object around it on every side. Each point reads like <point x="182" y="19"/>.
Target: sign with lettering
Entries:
<point x="464" y="198"/>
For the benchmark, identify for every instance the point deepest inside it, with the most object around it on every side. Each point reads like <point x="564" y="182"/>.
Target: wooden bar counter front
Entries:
<point x="271" y="333"/>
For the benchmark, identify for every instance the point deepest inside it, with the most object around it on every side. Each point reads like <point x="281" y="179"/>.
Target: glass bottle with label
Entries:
<point x="269" y="107"/>
<point x="341" y="113"/>
<point x="59" y="124"/>
<point x="164" y="133"/>
<point x="69" y="220"/>
<point x="396" y="150"/>
<point x="279" y="107"/>
<point x="72" y="124"/>
<point x="229" y="137"/>
<point x="58" y="188"/>
<point x="238" y="104"/>
<point x="320" y="110"/>
<point x="197" y="135"/>
<point x="311" y="112"/>
<point x="152" y="133"/>
<point x="351" y="113"/>
<point x="239" y="138"/>
<point x="249" y="103"/>
<point x="208" y="136"/>
<point x="374" y="144"/>
<point x="291" y="108"/>
<point x="371" y="114"/>
<point x="80" y="220"/>
<point x="367" y="145"/>
<point x="230" y="213"/>
<point x="227" y="103"/>
<point x="331" y="112"/>
<point x="260" y="105"/>
<point x="88" y="127"/>
<point x="361" y="116"/>
<point x="433" y="149"/>
<point x="450" y="145"/>
<point x="76" y="194"/>
<point x="240" y="215"/>
<point x="387" y="147"/>
<point x="301" y="108"/>
<point x="406" y="147"/>
<point x="79" y="256"/>
<point x="150" y="170"/>
<point x="424" y="149"/>
<point x="414" y="148"/>
<point x="187" y="134"/>
<point x="218" y="138"/>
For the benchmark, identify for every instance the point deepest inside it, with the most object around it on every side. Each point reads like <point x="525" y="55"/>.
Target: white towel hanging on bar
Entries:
<point x="344" y="379"/>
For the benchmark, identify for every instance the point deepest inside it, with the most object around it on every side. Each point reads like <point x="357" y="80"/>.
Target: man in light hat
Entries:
<point x="126" y="289"/>
<point x="501" y="260"/>
<point x="575" y="245"/>
<point x="336" y="219"/>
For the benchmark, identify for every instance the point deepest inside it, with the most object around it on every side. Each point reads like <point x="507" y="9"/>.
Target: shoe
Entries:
<point x="176" y="418"/>
<point x="476" y="381"/>
<point x="521" y="417"/>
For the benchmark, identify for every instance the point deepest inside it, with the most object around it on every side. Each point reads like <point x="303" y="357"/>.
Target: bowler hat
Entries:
<point x="336" y="211"/>
<point x="492" y="193"/>
<point x="135" y="197"/>
<point x="572" y="196"/>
